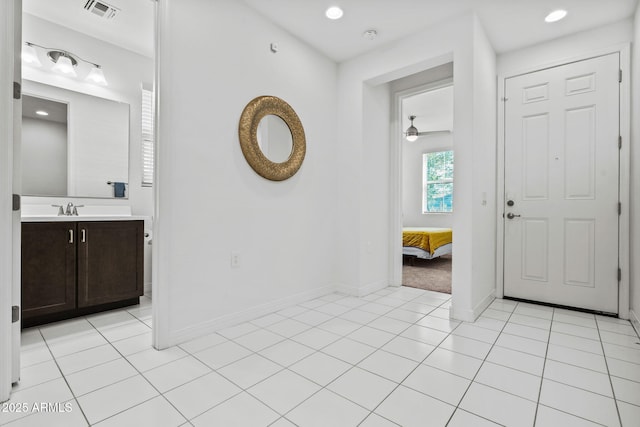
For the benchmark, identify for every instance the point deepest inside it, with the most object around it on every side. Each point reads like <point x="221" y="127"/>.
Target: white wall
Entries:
<point x="125" y="71"/>
<point x="483" y="209"/>
<point x="573" y="46"/>
<point x="44" y="157"/>
<point x="209" y="202"/>
<point x="364" y="236"/>
<point x="634" y="282"/>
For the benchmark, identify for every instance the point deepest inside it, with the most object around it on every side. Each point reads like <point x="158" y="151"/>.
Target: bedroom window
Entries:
<point x="438" y="182"/>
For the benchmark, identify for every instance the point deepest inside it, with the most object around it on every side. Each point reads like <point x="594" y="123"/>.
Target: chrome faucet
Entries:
<point x="60" y="209"/>
<point x="70" y="211"/>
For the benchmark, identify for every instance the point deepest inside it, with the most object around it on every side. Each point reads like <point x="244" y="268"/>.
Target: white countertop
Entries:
<point x="65" y="218"/>
<point x="48" y="213"/>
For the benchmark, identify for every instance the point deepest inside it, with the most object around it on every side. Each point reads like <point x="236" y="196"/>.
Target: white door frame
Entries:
<point x="396" y="168"/>
<point x="8" y="10"/>
<point x="625" y="157"/>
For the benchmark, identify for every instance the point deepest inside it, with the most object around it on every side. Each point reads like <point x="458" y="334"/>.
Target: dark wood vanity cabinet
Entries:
<point x="48" y="268"/>
<point x="75" y="268"/>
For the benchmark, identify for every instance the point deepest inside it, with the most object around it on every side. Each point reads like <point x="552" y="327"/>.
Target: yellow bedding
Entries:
<point x="426" y="238"/>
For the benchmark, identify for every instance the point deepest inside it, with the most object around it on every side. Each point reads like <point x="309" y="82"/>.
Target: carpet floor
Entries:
<point x="429" y="274"/>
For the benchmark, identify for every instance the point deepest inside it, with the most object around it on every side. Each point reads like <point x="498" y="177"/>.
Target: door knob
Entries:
<point x="511" y="215"/>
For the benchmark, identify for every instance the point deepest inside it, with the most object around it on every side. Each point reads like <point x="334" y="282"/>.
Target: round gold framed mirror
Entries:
<point x="272" y="152"/>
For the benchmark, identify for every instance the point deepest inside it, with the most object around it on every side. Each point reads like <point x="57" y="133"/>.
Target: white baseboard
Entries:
<point x="213" y="325"/>
<point x="470" y="315"/>
<point x="147" y="288"/>
<point x="635" y="321"/>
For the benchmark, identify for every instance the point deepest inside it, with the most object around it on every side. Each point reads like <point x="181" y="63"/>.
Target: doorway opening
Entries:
<point x="427" y="180"/>
<point x="112" y="182"/>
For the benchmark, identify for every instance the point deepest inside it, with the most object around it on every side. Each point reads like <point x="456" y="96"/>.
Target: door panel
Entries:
<point x="562" y="174"/>
<point x="110" y="261"/>
<point x="535" y="247"/>
<point x="48" y="268"/>
<point x="535" y="157"/>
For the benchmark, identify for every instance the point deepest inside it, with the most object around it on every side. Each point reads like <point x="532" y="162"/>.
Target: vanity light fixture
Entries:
<point x="42" y="113"/>
<point x="64" y="62"/>
<point x="334" y="12"/>
<point x="30" y="56"/>
<point x="555" y="16"/>
<point x="412" y="133"/>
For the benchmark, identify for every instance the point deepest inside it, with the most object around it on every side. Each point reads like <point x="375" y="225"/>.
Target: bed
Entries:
<point x="426" y="242"/>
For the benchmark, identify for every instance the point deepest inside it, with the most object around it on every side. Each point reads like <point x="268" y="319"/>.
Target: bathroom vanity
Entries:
<point x="76" y="265"/>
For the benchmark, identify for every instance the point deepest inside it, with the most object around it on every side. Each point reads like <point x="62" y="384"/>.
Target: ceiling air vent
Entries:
<point x="101" y="9"/>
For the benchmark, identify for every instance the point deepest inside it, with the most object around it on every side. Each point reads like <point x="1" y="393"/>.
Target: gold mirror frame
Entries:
<point x="248" y="133"/>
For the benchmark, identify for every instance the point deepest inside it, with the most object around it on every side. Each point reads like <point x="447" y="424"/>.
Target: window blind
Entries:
<point x="147" y="137"/>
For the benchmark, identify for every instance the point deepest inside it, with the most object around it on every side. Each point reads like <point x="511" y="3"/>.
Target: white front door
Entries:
<point x="561" y="185"/>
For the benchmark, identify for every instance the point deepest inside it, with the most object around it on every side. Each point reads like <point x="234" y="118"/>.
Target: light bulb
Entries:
<point x="65" y="66"/>
<point x="96" y="76"/>
<point x="556" y="15"/>
<point x="334" y="12"/>
<point x="30" y="56"/>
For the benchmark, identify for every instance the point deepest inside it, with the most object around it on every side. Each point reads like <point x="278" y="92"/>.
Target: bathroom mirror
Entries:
<point x="75" y="150"/>
<point x="272" y="138"/>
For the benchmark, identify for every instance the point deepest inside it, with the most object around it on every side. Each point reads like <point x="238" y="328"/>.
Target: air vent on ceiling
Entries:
<point x="101" y="9"/>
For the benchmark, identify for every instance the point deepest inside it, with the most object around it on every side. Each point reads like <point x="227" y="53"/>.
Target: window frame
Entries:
<point x="426" y="183"/>
<point x="147" y="137"/>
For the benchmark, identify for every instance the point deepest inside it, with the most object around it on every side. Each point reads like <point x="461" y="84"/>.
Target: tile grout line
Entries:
<point x="371" y="411"/>
<point x="55" y="360"/>
<point x="484" y="360"/>
<point x="418" y="365"/>
<point x="376" y="349"/>
<point x="606" y="363"/>
<point x="139" y="373"/>
<point x="354" y="365"/>
<point x="286" y="367"/>
<point x="544" y="365"/>
<point x="566" y="384"/>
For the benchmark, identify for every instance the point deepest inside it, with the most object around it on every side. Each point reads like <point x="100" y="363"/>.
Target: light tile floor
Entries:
<point x="390" y="358"/>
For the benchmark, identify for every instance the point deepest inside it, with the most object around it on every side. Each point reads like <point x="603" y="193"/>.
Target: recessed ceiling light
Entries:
<point x="556" y="15"/>
<point x="334" y="12"/>
<point x="42" y="113"/>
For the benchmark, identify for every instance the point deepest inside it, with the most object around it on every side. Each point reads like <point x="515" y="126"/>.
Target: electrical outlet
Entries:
<point x="235" y="259"/>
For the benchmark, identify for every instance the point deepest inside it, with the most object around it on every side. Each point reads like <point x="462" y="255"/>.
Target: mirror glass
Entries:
<point x="80" y="149"/>
<point x="44" y="146"/>
<point x="274" y="138"/>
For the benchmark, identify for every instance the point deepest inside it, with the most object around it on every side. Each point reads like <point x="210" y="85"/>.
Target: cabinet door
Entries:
<point x="110" y="261"/>
<point x="48" y="268"/>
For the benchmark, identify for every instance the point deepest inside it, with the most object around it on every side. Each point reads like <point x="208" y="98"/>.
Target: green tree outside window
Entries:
<point x="438" y="182"/>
